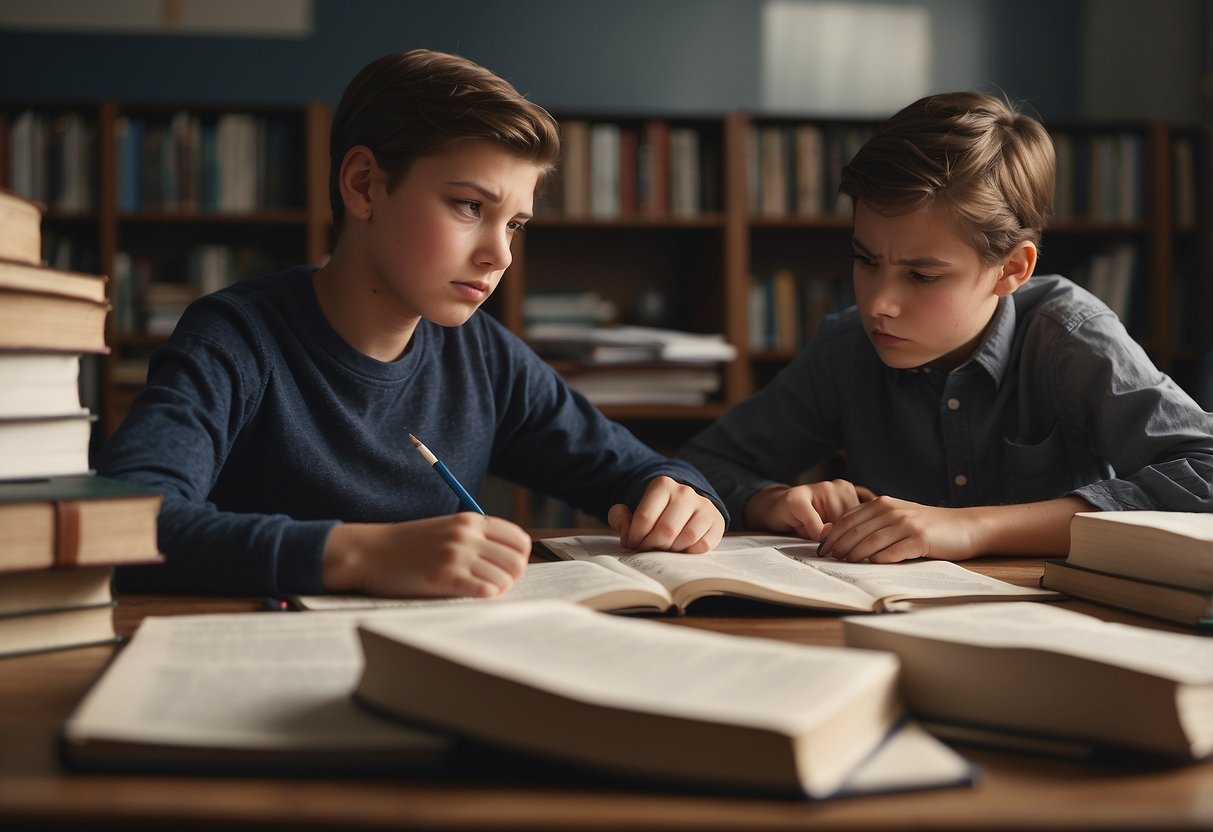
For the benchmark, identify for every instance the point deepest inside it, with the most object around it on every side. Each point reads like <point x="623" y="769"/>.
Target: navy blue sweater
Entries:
<point x="263" y="429"/>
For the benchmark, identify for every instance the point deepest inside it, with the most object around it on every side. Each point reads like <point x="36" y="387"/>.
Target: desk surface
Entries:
<point x="1016" y="791"/>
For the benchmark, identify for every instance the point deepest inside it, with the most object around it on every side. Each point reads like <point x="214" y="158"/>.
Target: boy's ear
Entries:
<point x="1016" y="269"/>
<point x="359" y="170"/>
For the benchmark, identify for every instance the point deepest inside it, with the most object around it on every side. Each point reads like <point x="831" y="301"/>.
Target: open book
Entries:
<point x="1038" y="669"/>
<point x="600" y="574"/>
<point x="268" y="693"/>
<point x="786" y="570"/>
<point x="247" y="691"/>
<point x="646" y="699"/>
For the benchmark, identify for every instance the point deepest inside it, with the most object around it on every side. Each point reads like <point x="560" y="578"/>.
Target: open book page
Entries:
<point x="743" y="566"/>
<point x="252" y="681"/>
<point x="585" y="583"/>
<point x="911" y="584"/>
<point x="686" y="675"/>
<point x="1179" y="656"/>
<point x="787" y="570"/>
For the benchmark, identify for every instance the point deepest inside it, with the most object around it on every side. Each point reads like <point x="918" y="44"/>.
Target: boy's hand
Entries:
<point x="456" y="555"/>
<point x="803" y="510"/>
<point x="672" y="517"/>
<point x="887" y="530"/>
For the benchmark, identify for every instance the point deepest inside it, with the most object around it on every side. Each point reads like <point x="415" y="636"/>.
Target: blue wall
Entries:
<point x="622" y="55"/>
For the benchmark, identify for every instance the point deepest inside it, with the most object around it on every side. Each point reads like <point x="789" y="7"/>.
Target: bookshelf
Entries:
<point x="170" y="201"/>
<point x="704" y="223"/>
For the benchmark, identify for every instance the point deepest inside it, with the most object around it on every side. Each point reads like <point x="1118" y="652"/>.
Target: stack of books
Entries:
<point x="1158" y="563"/>
<point x="635" y="365"/>
<point x="64" y="528"/>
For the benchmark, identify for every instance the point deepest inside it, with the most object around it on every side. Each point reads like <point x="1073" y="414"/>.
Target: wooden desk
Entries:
<point x="1015" y="792"/>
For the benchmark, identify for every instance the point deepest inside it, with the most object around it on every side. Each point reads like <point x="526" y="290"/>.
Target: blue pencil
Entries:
<point x="444" y="472"/>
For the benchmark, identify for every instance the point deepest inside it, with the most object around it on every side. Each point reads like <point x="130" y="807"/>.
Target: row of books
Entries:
<point x="634" y="365"/>
<point x="1159" y="563"/>
<point x="52" y="158"/>
<point x="653" y="168"/>
<point x="64" y="527"/>
<point x="1099" y="177"/>
<point x="151" y="295"/>
<point x="233" y="162"/>
<point x="793" y="170"/>
<point x="784" y="309"/>
<point x="1111" y="275"/>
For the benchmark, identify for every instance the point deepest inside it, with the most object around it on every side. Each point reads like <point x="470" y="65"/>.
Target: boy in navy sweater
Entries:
<point x="275" y="419"/>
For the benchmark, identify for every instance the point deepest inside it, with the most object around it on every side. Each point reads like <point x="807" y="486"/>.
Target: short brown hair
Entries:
<point x="974" y="158"/>
<point x="412" y="104"/>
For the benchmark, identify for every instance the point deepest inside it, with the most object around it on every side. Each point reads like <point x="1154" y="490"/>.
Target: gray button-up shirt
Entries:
<point x="1057" y="399"/>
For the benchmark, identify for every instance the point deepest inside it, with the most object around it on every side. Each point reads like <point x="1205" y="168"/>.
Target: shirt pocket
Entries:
<point x="1035" y="472"/>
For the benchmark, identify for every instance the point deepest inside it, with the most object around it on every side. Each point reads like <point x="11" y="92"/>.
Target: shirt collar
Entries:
<point x="994" y="352"/>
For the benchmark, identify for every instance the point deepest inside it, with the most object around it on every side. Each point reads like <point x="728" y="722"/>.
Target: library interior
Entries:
<point x="687" y="245"/>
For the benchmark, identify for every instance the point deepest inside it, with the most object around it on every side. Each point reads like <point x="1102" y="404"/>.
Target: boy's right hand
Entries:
<point x="456" y="555"/>
<point x="803" y="510"/>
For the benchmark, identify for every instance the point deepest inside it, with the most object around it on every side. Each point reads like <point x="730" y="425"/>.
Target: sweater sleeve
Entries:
<point x="551" y="439"/>
<point x="203" y="385"/>
<point x="784" y="429"/>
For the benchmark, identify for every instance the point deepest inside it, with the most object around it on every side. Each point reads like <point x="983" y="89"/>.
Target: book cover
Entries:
<point x="76" y="521"/>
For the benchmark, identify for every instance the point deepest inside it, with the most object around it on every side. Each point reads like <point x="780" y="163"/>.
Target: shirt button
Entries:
<point x="953" y="404"/>
<point x="961" y="479"/>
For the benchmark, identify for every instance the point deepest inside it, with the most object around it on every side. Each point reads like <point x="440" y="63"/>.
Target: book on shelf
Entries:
<point x="1173" y="547"/>
<point x="39" y="384"/>
<point x="239" y="692"/>
<point x="653" y="169"/>
<point x="44" y="446"/>
<point x="644" y="700"/>
<point x="1168" y="602"/>
<point x="627" y="344"/>
<point x="575" y="172"/>
<point x="76" y="521"/>
<point x="1038" y="669"/>
<point x="605" y="171"/>
<point x="668" y="384"/>
<point x="20" y="228"/>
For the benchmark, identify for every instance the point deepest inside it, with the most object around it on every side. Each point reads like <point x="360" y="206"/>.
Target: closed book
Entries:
<point x="643" y="699"/>
<point x="1173" y="547"/>
<point x="44" y="446"/>
<point x="39" y="384"/>
<point x="1191" y="607"/>
<point x="20" y="228"/>
<point x="29" y="277"/>
<point x="1043" y="670"/>
<point x="33" y="320"/>
<point x="54" y="590"/>
<point x="76" y="521"/>
<point x="59" y="630"/>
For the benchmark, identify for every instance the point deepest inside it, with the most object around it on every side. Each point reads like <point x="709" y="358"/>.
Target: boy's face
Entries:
<point x="440" y="241"/>
<point x="924" y="295"/>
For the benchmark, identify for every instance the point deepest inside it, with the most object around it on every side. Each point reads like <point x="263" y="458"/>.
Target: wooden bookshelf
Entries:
<point x="157" y="216"/>
<point x="696" y="263"/>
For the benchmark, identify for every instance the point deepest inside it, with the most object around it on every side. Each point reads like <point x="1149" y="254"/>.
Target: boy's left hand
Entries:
<point x="671" y="517"/>
<point x="887" y="530"/>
